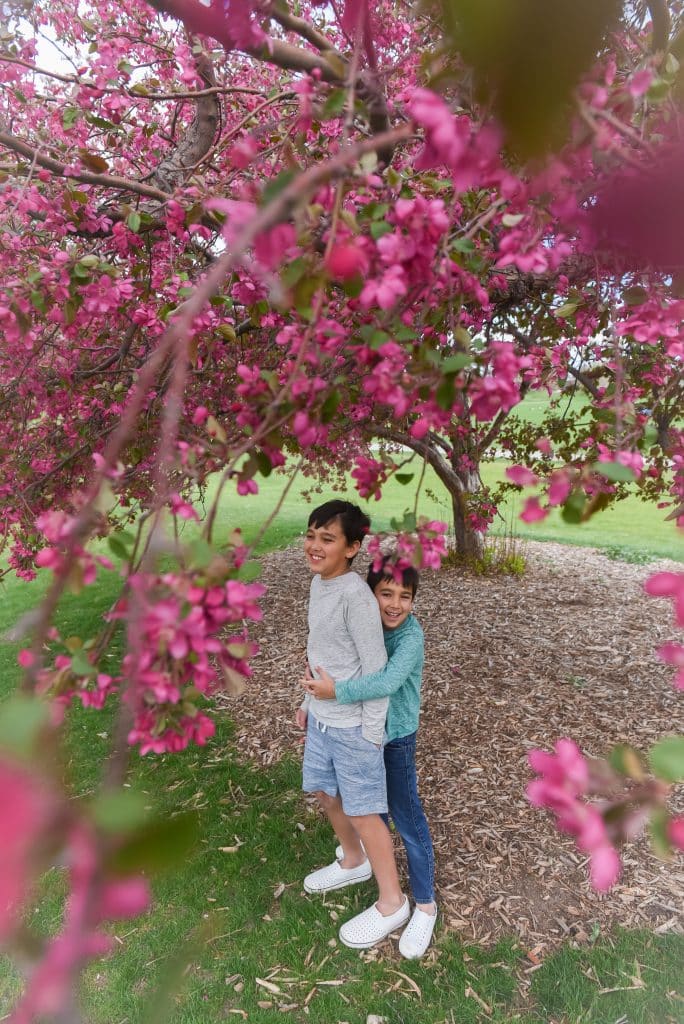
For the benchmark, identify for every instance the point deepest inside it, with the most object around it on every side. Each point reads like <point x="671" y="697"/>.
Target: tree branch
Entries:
<point x="111" y="181"/>
<point x="441" y="467"/>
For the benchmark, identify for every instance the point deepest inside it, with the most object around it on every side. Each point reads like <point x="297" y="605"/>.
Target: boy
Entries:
<point x="400" y="680"/>
<point x="343" y="759"/>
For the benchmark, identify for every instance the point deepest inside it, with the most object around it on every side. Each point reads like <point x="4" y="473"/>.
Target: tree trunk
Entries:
<point x="469" y="543"/>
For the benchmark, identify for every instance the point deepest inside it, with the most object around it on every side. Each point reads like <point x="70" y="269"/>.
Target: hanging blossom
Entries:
<point x="39" y="824"/>
<point x="182" y="651"/>
<point x="671" y="585"/>
<point x="422" y="548"/>
<point x="564" y="782"/>
<point x="370" y="475"/>
<point x="57" y="528"/>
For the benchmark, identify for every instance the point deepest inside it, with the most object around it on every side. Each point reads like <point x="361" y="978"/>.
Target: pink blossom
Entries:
<point x="673" y="654"/>
<point x="668" y="584"/>
<point x="345" y="260"/>
<point x="181" y="508"/>
<point x="560" y="485"/>
<point x="532" y="511"/>
<point x="24" y="812"/>
<point x="675" y="832"/>
<point x="522" y="476"/>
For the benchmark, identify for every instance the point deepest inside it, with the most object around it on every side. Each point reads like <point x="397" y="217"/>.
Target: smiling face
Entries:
<point x="395" y="602"/>
<point x="327" y="550"/>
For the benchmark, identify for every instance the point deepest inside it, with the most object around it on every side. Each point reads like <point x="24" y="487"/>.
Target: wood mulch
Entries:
<point x="568" y="650"/>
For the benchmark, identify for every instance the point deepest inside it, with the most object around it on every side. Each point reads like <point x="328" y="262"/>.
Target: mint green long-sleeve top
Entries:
<point x="399" y="680"/>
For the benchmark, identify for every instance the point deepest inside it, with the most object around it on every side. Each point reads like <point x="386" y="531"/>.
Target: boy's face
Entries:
<point x="328" y="551"/>
<point x="395" y="602"/>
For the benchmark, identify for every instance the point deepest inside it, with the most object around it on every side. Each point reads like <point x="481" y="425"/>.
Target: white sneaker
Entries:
<point x="339" y="852"/>
<point x="334" y="876"/>
<point x="415" y="938"/>
<point x="370" y="927"/>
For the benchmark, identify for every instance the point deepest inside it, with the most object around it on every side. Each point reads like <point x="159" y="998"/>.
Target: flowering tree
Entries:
<point x="233" y="233"/>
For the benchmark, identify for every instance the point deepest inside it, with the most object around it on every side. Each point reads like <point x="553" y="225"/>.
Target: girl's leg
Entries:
<point x="408" y="815"/>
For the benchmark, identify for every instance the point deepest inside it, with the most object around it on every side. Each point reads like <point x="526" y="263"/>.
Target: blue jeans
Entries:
<point x="408" y="816"/>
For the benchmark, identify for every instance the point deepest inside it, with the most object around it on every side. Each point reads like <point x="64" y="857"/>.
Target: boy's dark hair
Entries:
<point x="410" y="577"/>
<point x="354" y="523"/>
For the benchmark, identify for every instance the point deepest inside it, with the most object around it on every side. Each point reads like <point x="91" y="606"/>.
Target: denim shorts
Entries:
<point x="342" y="761"/>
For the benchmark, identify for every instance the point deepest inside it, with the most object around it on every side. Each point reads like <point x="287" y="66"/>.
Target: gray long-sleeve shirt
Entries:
<point x="345" y="638"/>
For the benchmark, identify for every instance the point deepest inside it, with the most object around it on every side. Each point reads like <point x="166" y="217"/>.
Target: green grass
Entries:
<point x="222" y="918"/>
<point x="633" y="528"/>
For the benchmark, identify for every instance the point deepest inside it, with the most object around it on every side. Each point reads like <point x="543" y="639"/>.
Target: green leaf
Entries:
<point x="379" y="228"/>
<point x="264" y="464"/>
<point x="249" y="571"/>
<point x="276" y="186"/>
<point x="81" y="666"/>
<point x="334" y="104"/>
<point x="573" y="508"/>
<point x="406" y="524"/>
<point x="567" y="309"/>
<point x="635" y="296"/>
<point x="119" y="811"/>
<point x="511" y="220"/>
<point x="528" y="57"/>
<point x="404" y="478"/>
<point x="660" y="841"/>
<point x="463" y="245"/>
<point x="118" y="546"/>
<point x="615" y="471"/>
<point x="157" y="846"/>
<point x="628" y="761"/>
<point x="667" y="759"/>
<point x="133" y="221"/>
<point x="70" y="117"/>
<point x="446" y="392"/>
<point x="22" y="720"/>
<point x="330" y="406"/>
<point x="295" y="270"/>
<point x="459" y="361"/>
<point x="201" y="553"/>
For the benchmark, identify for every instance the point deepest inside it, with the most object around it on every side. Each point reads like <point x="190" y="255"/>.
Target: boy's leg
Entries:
<point x="409" y="818"/>
<point x="406" y="811"/>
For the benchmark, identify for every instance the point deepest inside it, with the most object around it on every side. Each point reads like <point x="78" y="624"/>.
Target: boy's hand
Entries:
<point x="322" y="688"/>
<point x="300" y="718"/>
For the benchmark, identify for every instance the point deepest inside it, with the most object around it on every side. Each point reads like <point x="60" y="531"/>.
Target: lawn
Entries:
<point x="231" y="935"/>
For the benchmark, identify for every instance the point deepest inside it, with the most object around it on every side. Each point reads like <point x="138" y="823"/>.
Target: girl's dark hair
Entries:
<point x="409" y="576"/>
<point x="354" y="523"/>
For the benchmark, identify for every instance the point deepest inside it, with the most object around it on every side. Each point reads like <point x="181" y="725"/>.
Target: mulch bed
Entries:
<point x="568" y="650"/>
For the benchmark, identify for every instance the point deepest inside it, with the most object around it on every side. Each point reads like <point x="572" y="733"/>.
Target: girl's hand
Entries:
<point x="300" y="718"/>
<point x="322" y="688"/>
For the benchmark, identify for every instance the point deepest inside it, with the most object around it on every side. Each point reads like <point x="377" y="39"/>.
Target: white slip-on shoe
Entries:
<point x="339" y="852"/>
<point x="334" y="876"/>
<point x="415" y="938"/>
<point x="370" y="927"/>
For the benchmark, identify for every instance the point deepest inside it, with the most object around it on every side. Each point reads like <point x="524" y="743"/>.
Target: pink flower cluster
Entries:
<point x="57" y="527"/>
<point x="423" y="548"/>
<point x="498" y="391"/>
<point x="35" y="820"/>
<point x="370" y="475"/>
<point x="181" y="651"/>
<point x="564" y="780"/>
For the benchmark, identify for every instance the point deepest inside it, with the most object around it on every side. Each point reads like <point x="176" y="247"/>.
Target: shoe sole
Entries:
<point x="340" y="885"/>
<point x="369" y="945"/>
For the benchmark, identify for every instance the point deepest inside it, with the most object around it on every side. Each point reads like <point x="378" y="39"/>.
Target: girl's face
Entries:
<point x="395" y="602"/>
